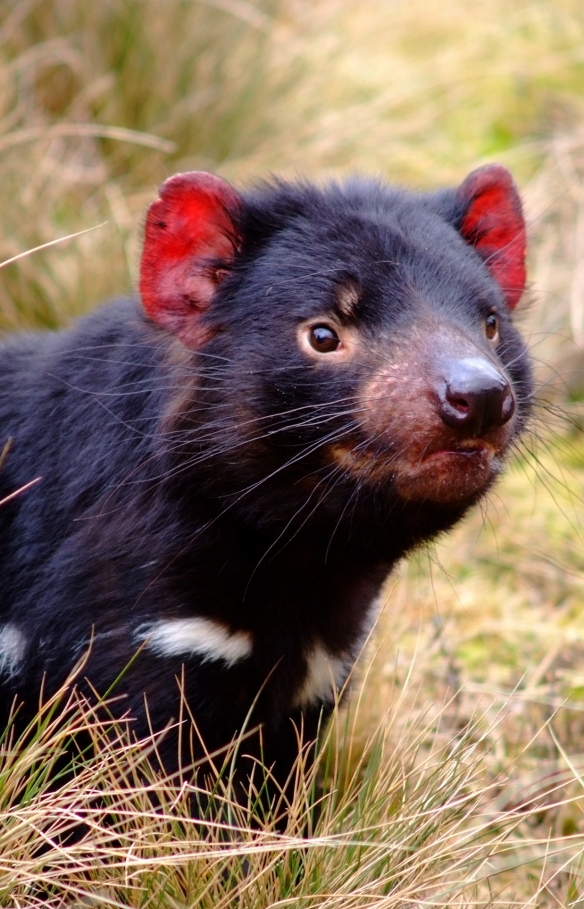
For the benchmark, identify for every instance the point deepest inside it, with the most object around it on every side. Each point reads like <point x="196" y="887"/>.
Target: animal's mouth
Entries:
<point x="473" y="448"/>
<point x="448" y="472"/>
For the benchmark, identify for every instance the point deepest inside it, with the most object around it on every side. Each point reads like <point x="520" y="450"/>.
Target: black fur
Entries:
<point x="180" y="483"/>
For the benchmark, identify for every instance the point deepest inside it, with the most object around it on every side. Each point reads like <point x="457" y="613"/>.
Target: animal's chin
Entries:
<point x="452" y="475"/>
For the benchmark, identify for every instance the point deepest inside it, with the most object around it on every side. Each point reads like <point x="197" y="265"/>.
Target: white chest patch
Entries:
<point x="12" y="649"/>
<point x="195" y="636"/>
<point x="325" y="676"/>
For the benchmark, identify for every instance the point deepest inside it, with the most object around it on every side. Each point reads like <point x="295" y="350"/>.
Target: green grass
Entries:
<point x="454" y="776"/>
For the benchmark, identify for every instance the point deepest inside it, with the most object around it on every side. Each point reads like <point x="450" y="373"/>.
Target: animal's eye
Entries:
<point x="324" y="339"/>
<point x="491" y="326"/>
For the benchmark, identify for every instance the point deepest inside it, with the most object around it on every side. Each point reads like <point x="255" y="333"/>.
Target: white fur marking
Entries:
<point x="12" y="649"/>
<point x="325" y="675"/>
<point x="204" y="637"/>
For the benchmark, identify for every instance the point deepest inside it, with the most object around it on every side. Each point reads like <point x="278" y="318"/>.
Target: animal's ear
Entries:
<point x="493" y="224"/>
<point x="189" y="243"/>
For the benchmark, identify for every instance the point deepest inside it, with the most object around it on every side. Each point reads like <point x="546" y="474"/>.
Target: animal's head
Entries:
<point x="384" y="315"/>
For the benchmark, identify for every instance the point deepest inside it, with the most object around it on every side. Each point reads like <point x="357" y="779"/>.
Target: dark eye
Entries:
<point x="324" y="339"/>
<point x="491" y="326"/>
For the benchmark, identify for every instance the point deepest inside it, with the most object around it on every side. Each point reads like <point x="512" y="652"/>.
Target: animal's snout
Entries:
<point x="474" y="396"/>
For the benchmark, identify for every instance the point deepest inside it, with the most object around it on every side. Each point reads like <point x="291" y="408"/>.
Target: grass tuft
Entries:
<point x="412" y="816"/>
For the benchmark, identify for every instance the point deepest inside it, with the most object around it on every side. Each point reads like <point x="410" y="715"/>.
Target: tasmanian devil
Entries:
<point x="312" y="382"/>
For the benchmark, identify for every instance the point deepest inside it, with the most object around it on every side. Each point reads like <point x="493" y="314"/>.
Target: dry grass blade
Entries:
<point x="20" y="490"/>
<point x="29" y="252"/>
<point x="93" y="130"/>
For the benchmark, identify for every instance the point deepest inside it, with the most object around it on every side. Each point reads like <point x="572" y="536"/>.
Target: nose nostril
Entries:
<point x="508" y="408"/>
<point x="460" y="403"/>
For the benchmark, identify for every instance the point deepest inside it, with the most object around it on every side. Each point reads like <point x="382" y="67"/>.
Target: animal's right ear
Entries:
<point x="190" y="241"/>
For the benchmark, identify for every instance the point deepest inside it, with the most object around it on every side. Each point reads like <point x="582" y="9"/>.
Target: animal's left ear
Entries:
<point x="492" y="223"/>
<point x="190" y="240"/>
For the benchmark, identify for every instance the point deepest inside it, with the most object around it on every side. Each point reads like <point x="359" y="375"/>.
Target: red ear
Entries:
<point x="189" y="229"/>
<point x="493" y="225"/>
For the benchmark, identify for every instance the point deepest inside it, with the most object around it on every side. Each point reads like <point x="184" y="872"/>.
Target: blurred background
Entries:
<point x="100" y="102"/>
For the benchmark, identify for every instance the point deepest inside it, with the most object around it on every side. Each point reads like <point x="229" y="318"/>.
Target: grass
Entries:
<point x="454" y="776"/>
<point x="399" y="823"/>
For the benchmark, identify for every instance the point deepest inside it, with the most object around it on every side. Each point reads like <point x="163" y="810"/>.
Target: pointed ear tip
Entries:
<point x="487" y="176"/>
<point x="494" y="168"/>
<point x="195" y="180"/>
